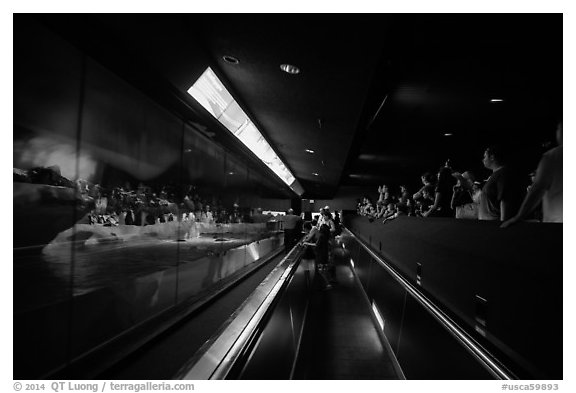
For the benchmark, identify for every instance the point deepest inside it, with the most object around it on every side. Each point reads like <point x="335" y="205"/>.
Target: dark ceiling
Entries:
<point x="376" y="94"/>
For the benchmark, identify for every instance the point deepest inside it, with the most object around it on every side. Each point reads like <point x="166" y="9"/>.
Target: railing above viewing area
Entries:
<point x="503" y="287"/>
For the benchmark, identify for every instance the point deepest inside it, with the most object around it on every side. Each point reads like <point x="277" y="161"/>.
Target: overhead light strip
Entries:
<point x="209" y="91"/>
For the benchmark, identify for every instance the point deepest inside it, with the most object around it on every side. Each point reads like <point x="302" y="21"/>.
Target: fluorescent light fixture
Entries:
<point x="289" y="68"/>
<point x="378" y="315"/>
<point x="209" y="91"/>
<point x="315" y="174"/>
<point x="447" y="134"/>
<point x="309" y="151"/>
<point x="352" y="263"/>
<point x="496" y="100"/>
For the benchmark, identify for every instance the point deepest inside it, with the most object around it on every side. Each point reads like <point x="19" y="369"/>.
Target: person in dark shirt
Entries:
<point x="442" y="195"/>
<point x="324" y="264"/>
<point x="317" y="241"/>
<point x="503" y="192"/>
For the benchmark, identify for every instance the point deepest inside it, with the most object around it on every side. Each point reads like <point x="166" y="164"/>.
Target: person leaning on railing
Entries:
<point x="547" y="187"/>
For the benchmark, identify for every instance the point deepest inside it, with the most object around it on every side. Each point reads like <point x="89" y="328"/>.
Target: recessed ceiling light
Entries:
<point x="289" y="68"/>
<point x="230" y="173"/>
<point x="315" y="174"/>
<point x="230" y="59"/>
<point x="447" y="134"/>
<point x="309" y="151"/>
<point x="496" y="100"/>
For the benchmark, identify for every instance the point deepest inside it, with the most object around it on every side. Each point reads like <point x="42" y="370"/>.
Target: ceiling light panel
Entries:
<point x="209" y="92"/>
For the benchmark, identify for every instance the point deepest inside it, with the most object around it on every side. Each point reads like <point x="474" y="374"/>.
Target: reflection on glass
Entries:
<point x="43" y="151"/>
<point x="129" y="243"/>
<point x="215" y="98"/>
<point x="114" y="225"/>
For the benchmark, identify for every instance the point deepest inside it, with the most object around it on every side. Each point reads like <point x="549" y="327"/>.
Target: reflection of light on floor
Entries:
<point x="378" y="315"/>
<point x="292" y="327"/>
<point x="253" y="251"/>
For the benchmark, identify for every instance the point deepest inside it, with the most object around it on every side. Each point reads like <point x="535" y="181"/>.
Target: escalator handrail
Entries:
<point x="488" y="360"/>
<point x="217" y="357"/>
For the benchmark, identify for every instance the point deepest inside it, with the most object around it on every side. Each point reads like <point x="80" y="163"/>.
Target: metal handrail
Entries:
<point x="472" y="346"/>
<point x="216" y="358"/>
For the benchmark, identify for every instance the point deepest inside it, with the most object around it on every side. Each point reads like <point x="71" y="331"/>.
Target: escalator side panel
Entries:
<point x="428" y="351"/>
<point x="389" y="297"/>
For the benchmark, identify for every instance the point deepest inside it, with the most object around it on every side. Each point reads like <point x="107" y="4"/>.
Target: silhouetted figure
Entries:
<point x="502" y="193"/>
<point x="427" y="180"/>
<point x="442" y="195"/>
<point x="465" y="198"/>
<point x="547" y="187"/>
<point x="258" y="217"/>
<point x="322" y="251"/>
<point x="292" y="225"/>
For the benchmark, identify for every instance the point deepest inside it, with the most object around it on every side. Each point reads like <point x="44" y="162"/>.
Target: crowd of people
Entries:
<point x="449" y="194"/>
<point x="503" y="196"/>
<point x="146" y="206"/>
<point x="143" y="205"/>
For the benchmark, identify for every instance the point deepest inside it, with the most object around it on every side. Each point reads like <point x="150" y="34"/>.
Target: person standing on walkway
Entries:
<point x="292" y="229"/>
